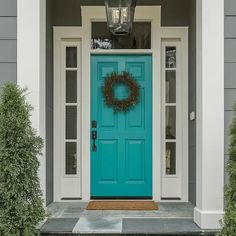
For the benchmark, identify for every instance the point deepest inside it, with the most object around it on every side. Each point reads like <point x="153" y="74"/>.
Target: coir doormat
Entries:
<point x="123" y="205"/>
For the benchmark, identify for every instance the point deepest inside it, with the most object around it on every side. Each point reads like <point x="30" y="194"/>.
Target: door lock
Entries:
<point x="94" y="124"/>
<point x="94" y="137"/>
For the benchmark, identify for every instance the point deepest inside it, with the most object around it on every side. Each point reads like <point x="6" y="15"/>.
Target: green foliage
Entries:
<point x="21" y="204"/>
<point x="229" y="222"/>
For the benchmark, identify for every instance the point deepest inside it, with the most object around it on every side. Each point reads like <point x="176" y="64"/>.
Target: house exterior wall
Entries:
<point x="174" y="13"/>
<point x="8" y="32"/>
<point x="230" y="66"/>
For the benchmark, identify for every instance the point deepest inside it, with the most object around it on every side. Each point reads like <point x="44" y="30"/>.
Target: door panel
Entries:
<point x="121" y="166"/>
<point x="135" y="160"/>
<point x="108" y="160"/>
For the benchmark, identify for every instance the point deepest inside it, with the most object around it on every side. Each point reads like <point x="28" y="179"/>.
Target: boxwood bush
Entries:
<point x="21" y="204"/>
<point x="229" y="221"/>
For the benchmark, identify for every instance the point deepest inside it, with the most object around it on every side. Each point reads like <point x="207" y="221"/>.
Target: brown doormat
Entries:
<point x="123" y="205"/>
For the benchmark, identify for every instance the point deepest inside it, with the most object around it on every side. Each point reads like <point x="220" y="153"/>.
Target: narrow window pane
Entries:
<point x="71" y="122"/>
<point x="170" y="86"/>
<point x="170" y="122"/>
<point x="171" y="158"/>
<point x="71" y="86"/>
<point x="170" y="57"/>
<point x="71" y="57"/>
<point x="71" y="159"/>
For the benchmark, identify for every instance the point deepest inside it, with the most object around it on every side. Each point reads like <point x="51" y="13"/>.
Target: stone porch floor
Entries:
<point x="73" y="219"/>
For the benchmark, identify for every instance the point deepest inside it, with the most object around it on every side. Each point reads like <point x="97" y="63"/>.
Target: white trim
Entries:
<point x="62" y="37"/>
<point x="31" y="58"/>
<point x="210" y="113"/>
<point x="208" y="219"/>
<point x="179" y="36"/>
<point x="121" y="51"/>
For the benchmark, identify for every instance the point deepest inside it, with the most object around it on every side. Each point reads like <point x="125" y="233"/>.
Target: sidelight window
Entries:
<point x="72" y="108"/>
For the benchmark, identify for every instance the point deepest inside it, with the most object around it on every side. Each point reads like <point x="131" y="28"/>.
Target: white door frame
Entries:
<point x="83" y="33"/>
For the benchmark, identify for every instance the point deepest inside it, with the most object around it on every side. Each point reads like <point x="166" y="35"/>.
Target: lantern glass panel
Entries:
<point x="120" y="16"/>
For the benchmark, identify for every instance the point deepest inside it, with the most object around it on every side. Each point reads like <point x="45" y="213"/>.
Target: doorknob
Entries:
<point x="94" y="137"/>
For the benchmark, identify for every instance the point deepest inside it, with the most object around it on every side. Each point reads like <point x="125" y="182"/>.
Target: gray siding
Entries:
<point x="8" y="29"/>
<point x="230" y="65"/>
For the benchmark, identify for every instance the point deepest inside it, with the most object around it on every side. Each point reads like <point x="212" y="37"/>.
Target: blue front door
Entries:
<point x="121" y="166"/>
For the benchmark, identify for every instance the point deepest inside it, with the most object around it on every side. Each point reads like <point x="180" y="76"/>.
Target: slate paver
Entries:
<point x="59" y="225"/>
<point x="99" y="225"/>
<point x="164" y="226"/>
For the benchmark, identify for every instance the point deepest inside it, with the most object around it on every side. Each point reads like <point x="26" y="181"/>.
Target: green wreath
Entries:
<point x="127" y="80"/>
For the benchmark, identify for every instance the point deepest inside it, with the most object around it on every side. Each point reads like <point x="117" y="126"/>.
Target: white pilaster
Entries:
<point x="31" y="31"/>
<point x="210" y="113"/>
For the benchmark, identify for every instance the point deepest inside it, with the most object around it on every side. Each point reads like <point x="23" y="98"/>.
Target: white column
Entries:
<point x="210" y="113"/>
<point x="31" y="28"/>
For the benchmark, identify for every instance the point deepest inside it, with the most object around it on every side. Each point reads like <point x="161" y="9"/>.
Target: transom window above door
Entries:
<point x="140" y="38"/>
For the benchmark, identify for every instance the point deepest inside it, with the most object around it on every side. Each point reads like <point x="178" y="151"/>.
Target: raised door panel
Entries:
<point x="108" y="161"/>
<point x="135" y="161"/>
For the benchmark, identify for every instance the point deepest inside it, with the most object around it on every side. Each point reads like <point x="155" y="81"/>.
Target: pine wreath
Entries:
<point x="110" y="99"/>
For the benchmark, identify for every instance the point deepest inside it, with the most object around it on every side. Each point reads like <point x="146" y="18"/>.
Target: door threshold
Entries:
<point x="121" y="198"/>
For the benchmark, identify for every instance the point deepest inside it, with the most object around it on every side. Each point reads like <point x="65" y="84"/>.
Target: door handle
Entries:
<point x="94" y="137"/>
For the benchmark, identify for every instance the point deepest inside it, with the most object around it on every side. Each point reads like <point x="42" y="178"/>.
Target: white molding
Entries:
<point x="208" y="219"/>
<point x="121" y="51"/>
<point x="31" y="61"/>
<point x="210" y="114"/>
<point x="179" y="36"/>
<point x="61" y="36"/>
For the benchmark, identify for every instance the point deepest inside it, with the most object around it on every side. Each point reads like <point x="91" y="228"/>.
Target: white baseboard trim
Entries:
<point x="208" y="219"/>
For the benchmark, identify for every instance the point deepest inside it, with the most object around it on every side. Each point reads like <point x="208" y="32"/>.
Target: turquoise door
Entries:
<point x="121" y="166"/>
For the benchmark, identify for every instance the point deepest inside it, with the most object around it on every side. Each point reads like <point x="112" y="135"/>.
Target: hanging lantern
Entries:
<point x="120" y="16"/>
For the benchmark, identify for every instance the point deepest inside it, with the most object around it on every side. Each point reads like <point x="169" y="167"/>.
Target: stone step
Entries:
<point x="104" y="226"/>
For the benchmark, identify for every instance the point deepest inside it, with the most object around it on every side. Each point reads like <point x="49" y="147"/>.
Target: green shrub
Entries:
<point x="229" y="221"/>
<point x="21" y="205"/>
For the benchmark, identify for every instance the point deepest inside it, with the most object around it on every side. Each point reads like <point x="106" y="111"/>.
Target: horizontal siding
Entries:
<point x="7" y="72"/>
<point x="230" y="26"/>
<point x="230" y="50"/>
<point x="230" y="66"/>
<point x="230" y="75"/>
<point x="8" y="27"/>
<point x="230" y="98"/>
<point x="8" y="36"/>
<point x="230" y="7"/>
<point x="8" y="7"/>
<point x="7" y="51"/>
